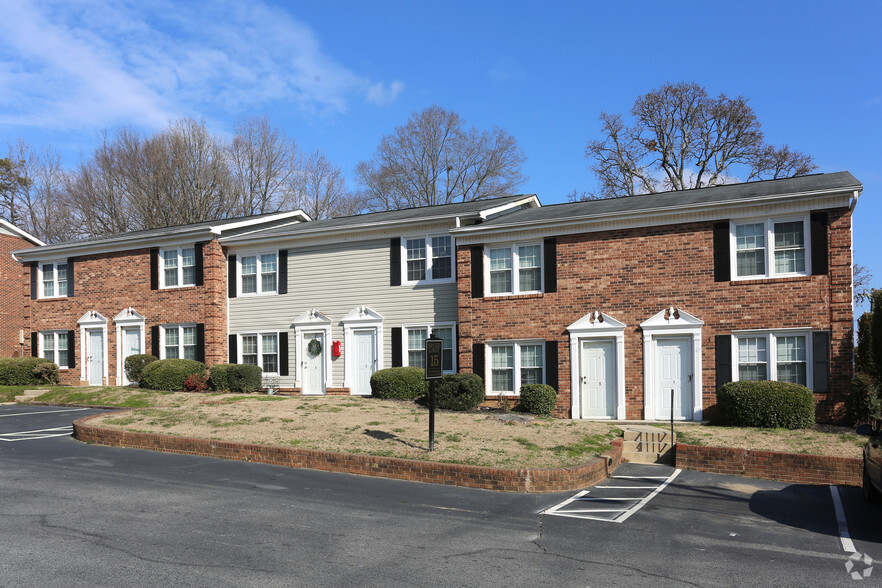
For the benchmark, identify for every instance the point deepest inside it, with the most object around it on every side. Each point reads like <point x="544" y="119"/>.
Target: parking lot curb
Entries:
<point x="500" y="479"/>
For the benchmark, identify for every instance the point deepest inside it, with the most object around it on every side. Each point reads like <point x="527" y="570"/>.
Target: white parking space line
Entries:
<point x="41" y="412"/>
<point x="37" y="434"/>
<point x="844" y="535"/>
<point x="643" y="502"/>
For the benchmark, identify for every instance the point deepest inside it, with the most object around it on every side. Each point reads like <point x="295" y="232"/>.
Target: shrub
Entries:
<point x="235" y="377"/>
<point x="864" y="401"/>
<point x="22" y="371"/>
<point x="538" y="399"/>
<point x="134" y="365"/>
<point x="47" y="373"/>
<point x="195" y="383"/>
<point x="459" y="392"/>
<point x="169" y="374"/>
<point x="767" y="404"/>
<point x="407" y="383"/>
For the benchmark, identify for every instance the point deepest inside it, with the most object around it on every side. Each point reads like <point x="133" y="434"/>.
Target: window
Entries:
<point x="56" y="347"/>
<point x="259" y="273"/>
<point x="261" y="349"/>
<point x="770" y="247"/>
<point x="781" y="356"/>
<point x="428" y="258"/>
<point x="179" y="342"/>
<point x="513" y="365"/>
<point x="415" y="340"/>
<point x="178" y="267"/>
<point x="525" y="258"/>
<point x="53" y="280"/>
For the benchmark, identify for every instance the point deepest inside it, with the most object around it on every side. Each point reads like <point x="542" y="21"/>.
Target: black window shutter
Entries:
<point x="819" y="243"/>
<point x="70" y="277"/>
<point x="551" y="364"/>
<point x="722" y="269"/>
<point x="477" y="253"/>
<point x="478" y="361"/>
<point x="395" y="261"/>
<point x="283" y="353"/>
<point x="71" y="350"/>
<point x="283" y="274"/>
<point x="723" y="359"/>
<point x="550" y="265"/>
<point x="200" y="342"/>
<point x="231" y="276"/>
<point x="198" y="251"/>
<point x="154" y="268"/>
<point x="821" y="361"/>
<point x="233" y="344"/>
<point x="34" y="280"/>
<point x="396" y="346"/>
<point x="35" y="351"/>
<point x="154" y="340"/>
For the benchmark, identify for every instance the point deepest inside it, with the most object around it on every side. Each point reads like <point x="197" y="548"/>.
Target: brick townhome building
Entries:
<point x="13" y="281"/>
<point x="617" y="302"/>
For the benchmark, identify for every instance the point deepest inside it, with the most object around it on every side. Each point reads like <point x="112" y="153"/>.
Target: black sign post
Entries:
<point x="433" y="374"/>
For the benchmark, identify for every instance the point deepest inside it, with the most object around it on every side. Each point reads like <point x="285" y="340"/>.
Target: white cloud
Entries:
<point x="81" y="64"/>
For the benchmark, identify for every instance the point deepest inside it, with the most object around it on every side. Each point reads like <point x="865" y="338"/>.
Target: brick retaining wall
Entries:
<point x="506" y="480"/>
<point x="769" y="465"/>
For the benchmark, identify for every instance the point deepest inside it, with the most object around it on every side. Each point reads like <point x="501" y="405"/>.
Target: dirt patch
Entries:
<point x="821" y="440"/>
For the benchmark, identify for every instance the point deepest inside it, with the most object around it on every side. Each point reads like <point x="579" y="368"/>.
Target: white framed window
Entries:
<point x="514" y="268"/>
<point x="259" y="273"/>
<point x="260" y="349"/>
<point x="179" y="342"/>
<point x="771" y="247"/>
<point x="784" y="356"/>
<point x="515" y="364"/>
<point x="415" y="345"/>
<point x="427" y="258"/>
<point x="53" y="279"/>
<point x="178" y="267"/>
<point x="56" y="347"/>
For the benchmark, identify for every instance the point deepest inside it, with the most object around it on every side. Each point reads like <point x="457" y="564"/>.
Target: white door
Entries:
<point x="313" y="365"/>
<point x="96" y="358"/>
<point x="674" y="372"/>
<point x="598" y="381"/>
<point x="365" y="360"/>
<point x="131" y="346"/>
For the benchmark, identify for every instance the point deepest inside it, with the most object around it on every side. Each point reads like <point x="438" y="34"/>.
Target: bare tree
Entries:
<point x="42" y="200"/>
<point x="433" y="159"/>
<point x="323" y="189"/>
<point x="264" y="165"/>
<point x="861" y="279"/>
<point x="681" y="139"/>
<point x="12" y="180"/>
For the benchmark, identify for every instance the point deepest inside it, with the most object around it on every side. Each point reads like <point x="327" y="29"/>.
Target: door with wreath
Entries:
<point x="313" y="364"/>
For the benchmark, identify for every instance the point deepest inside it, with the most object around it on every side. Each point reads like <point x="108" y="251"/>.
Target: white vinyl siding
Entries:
<point x="775" y="355"/>
<point x="769" y="248"/>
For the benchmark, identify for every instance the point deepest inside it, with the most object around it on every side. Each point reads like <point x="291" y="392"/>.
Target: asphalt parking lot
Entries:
<point x="112" y="516"/>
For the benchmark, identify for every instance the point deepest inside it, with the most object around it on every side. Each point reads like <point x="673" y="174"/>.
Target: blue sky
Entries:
<point x="338" y="75"/>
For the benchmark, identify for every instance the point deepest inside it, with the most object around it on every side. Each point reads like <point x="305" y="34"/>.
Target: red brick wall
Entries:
<point x="14" y="283"/>
<point x="633" y="274"/>
<point x="108" y="283"/>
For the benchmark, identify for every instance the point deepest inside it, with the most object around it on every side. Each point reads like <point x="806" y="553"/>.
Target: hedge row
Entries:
<point x="767" y="404"/>
<point x="27" y="371"/>
<point x="235" y="377"/>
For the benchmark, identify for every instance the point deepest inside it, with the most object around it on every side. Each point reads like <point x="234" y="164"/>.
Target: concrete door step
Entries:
<point x="28" y="395"/>
<point x="646" y="444"/>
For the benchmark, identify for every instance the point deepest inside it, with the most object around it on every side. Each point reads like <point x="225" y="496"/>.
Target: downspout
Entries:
<point x="854" y="200"/>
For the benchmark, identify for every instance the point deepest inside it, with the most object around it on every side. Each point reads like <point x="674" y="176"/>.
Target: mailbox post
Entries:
<point x="433" y="374"/>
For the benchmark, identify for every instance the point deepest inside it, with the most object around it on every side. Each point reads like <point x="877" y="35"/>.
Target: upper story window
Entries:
<point x="781" y="356"/>
<point x="428" y="258"/>
<point x="261" y="349"/>
<point x="178" y="267"/>
<point x="179" y="342"/>
<point x="56" y="347"/>
<point x="515" y="268"/>
<point x="415" y="340"/>
<point x="770" y="247"/>
<point x="53" y="280"/>
<point x="513" y="365"/>
<point x="258" y="273"/>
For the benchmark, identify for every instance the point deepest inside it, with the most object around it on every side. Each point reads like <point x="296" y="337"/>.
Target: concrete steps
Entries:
<point x="29" y="395"/>
<point x="645" y="444"/>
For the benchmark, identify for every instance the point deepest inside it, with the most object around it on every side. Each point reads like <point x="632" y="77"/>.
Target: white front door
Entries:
<point x="313" y="365"/>
<point x="131" y="346"/>
<point x="365" y="361"/>
<point x="96" y="358"/>
<point x="598" y="377"/>
<point x="674" y="372"/>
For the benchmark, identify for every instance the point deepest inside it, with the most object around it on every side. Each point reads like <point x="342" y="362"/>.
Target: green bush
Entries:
<point x="407" y="383"/>
<point x="134" y="365"/>
<point x="169" y="374"/>
<point x="767" y="404"/>
<point x="459" y="392"/>
<point x="538" y="399"/>
<point x="235" y="377"/>
<point x="25" y="371"/>
<point x="864" y="401"/>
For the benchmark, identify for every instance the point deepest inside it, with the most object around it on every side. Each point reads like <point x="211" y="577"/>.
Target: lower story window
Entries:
<point x="415" y="338"/>
<point x="261" y="349"/>
<point x="179" y="342"/>
<point x="513" y="365"/>
<point x="56" y="348"/>
<point x="773" y="356"/>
